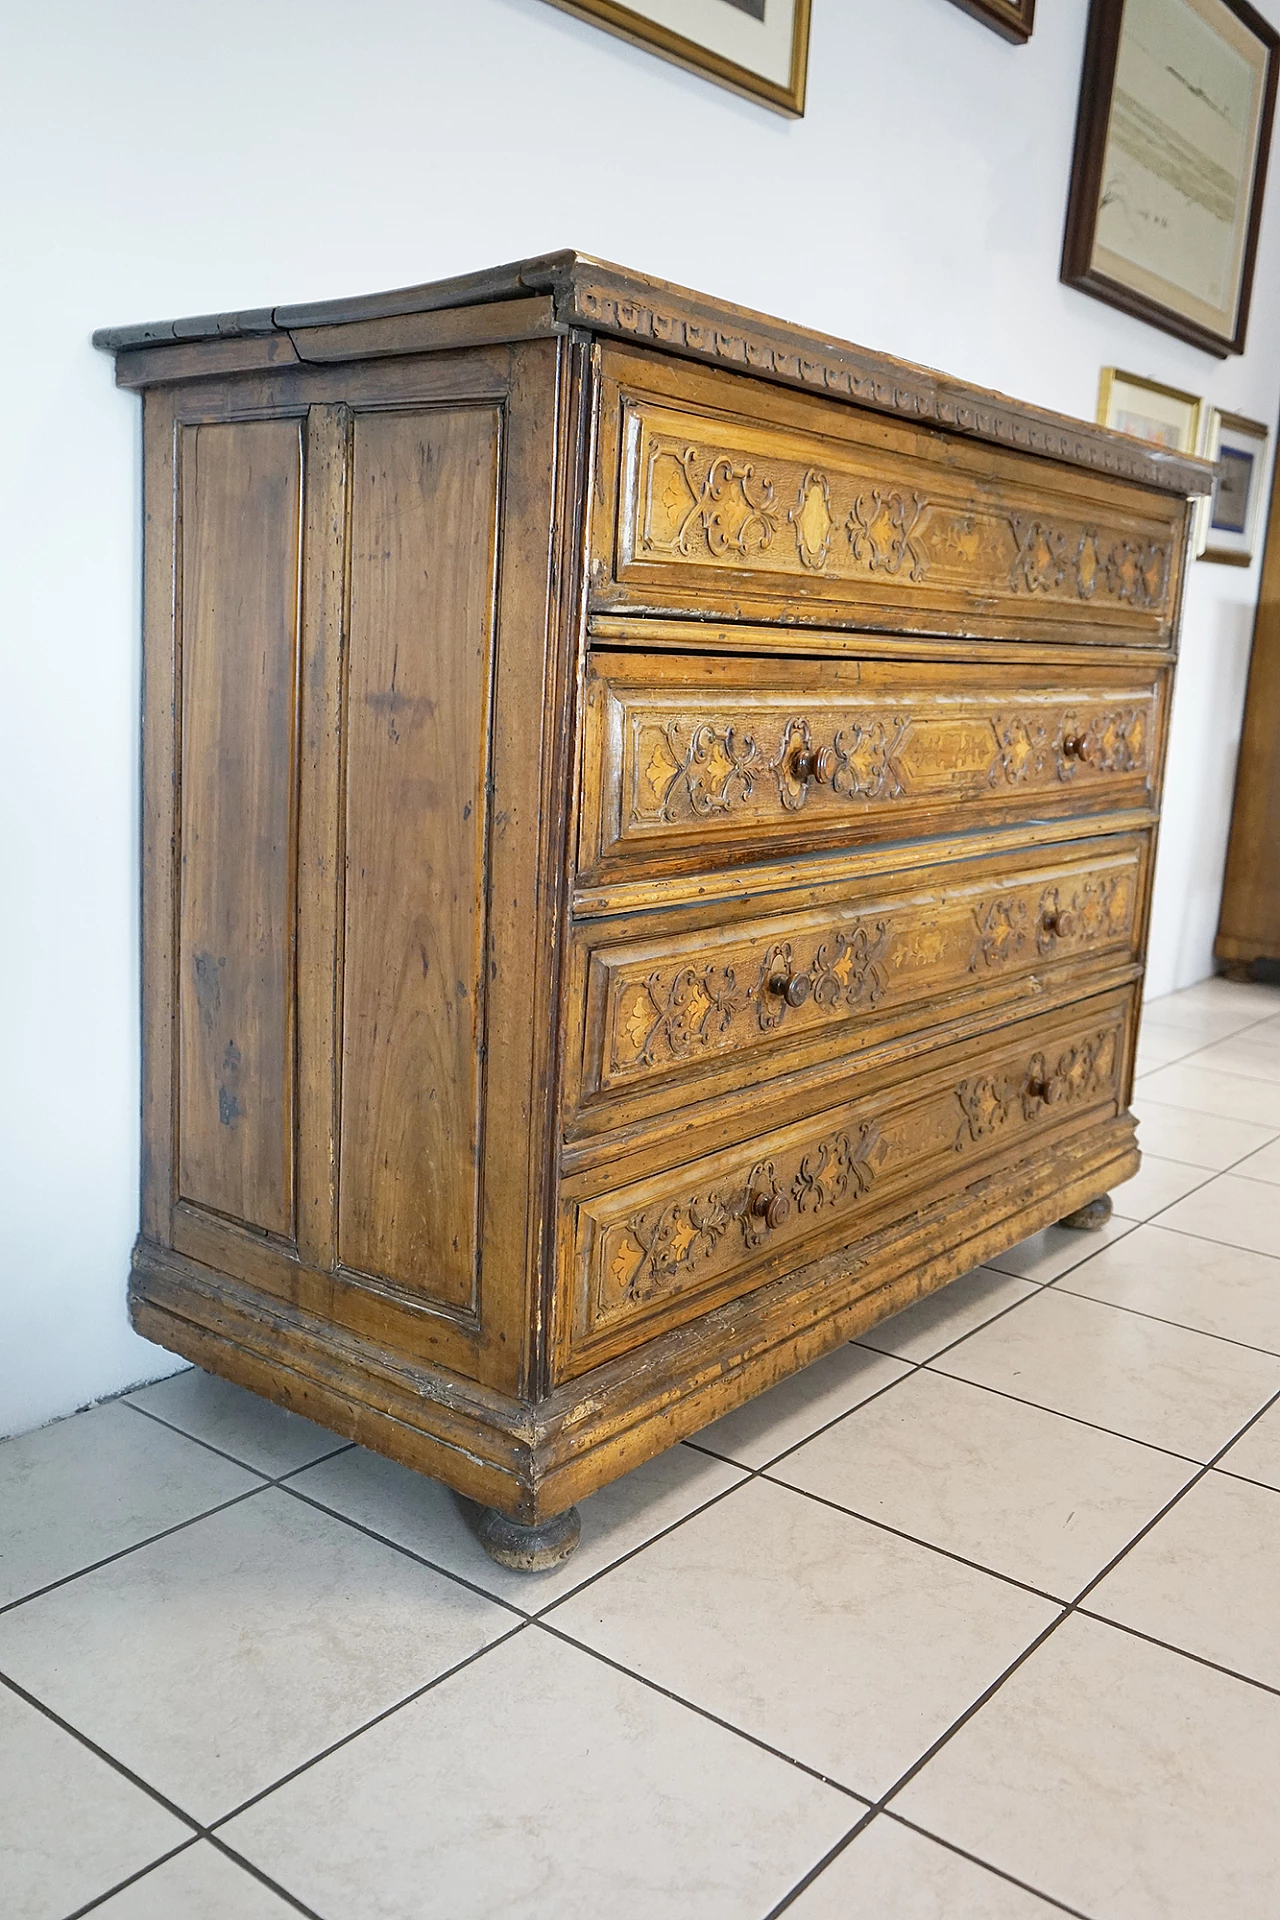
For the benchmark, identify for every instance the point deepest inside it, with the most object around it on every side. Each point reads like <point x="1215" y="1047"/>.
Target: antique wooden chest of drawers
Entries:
<point x="648" y="833"/>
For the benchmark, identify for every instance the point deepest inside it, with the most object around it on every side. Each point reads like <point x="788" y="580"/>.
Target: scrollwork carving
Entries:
<point x="661" y="1247"/>
<point x="991" y="1102"/>
<point x="880" y="526"/>
<point x="697" y="1009"/>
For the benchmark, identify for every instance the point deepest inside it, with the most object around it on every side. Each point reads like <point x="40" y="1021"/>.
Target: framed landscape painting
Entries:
<point x="757" y="47"/>
<point x="1172" y="140"/>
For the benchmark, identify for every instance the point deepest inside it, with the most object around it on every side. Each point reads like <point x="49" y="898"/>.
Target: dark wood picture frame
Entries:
<point x="1015" y="19"/>
<point x="624" y="21"/>
<point x="1097" y="82"/>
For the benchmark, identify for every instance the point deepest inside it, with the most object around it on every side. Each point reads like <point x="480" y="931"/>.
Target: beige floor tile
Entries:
<point x="795" y="1408"/>
<point x="918" y="1332"/>
<point x="1231" y="1096"/>
<point x="1263" y="1165"/>
<point x="1256" y="1454"/>
<point x="1118" y="1777"/>
<point x="1236" y="1212"/>
<point x="1204" y="1024"/>
<point x="1055" y="1250"/>
<point x="891" y="1873"/>
<point x="1195" y="1282"/>
<point x="93" y="1485"/>
<point x="1206" y="1578"/>
<point x="1158" y="1383"/>
<point x="255" y="1431"/>
<point x="1196" y="1139"/>
<point x="1024" y="1492"/>
<point x="424" y="1516"/>
<point x="213" y="1661"/>
<point x="199" y="1884"/>
<point x="1161" y="1044"/>
<point x="1217" y="995"/>
<point x="1156" y="1185"/>
<point x="70" y="1826"/>
<point x="1255" y="1053"/>
<point x="834" y="1641"/>
<point x="541" y="1784"/>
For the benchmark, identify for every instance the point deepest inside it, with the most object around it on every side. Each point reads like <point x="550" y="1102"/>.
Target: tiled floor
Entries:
<point x="977" y="1619"/>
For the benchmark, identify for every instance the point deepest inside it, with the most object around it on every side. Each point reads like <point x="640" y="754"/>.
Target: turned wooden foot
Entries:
<point x="526" y="1549"/>
<point x="1090" y="1218"/>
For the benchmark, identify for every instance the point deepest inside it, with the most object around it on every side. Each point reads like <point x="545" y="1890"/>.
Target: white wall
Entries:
<point x="162" y="157"/>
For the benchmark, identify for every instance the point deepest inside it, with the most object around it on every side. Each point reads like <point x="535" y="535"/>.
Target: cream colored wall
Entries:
<point x="171" y="158"/>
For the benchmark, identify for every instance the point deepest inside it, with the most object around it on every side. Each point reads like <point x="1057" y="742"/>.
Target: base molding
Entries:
<point x="533" y="1461"/>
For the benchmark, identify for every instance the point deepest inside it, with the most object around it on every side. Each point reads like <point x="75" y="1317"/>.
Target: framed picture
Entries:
<point x="1013" y="18"/>
<point x="757" y="47"/>
<point x="1227" y="528"/>
<point x="1172" y="137"/>
<point x="1149" y="411"/>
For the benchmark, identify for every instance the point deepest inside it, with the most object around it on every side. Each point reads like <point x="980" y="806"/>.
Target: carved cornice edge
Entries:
<point x="631" y="308"/>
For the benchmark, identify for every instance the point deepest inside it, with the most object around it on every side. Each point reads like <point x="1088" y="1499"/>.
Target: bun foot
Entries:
<point x="1090" y="1218"/>
<point x="526" y="1549"/>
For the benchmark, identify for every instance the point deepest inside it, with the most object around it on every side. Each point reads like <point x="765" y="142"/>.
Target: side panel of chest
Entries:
<point x="365" y="630"/>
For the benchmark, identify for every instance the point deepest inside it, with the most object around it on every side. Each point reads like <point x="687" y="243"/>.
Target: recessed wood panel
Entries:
<point x="423" y="575"/>
<point x="241" y="492"/>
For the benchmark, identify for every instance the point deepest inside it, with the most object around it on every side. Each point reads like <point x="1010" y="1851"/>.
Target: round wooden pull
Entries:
<point x="794" y="988"/>
<point x="772" y="1208"/>
<point x="1046" y="1090"/>
<point x="1075" y="747"/>
<point x="1060" y="920"/>
<point x="819" y="765"/>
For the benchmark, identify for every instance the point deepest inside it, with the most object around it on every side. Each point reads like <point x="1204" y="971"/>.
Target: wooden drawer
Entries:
<point x="691" y="761"/>
<point x="683" y="1013"/>
<point x="728" y="498"/>
<point x="646" y="1255"/>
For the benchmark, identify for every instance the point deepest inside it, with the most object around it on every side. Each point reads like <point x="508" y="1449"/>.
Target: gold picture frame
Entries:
<point x="1149" y="410"/>
<point x="737" y="43"/>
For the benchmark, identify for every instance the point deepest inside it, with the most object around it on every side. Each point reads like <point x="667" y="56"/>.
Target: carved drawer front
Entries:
<point x="704" y="757"/>
<point x="731" y="497"/>
<point x="890" y="958"/>
<point x="713" y="1229"/>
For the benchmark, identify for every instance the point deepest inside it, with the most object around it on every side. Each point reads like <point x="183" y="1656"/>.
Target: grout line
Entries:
<point x="118" y="1766"/>
<point x="180" y="1526"/>
<point x="365" y="1726"/>
<point x="1183" y="1326"/>
<point x="1171" y="1646"/>
<point x="99" y="1898"/>
<point x="832" y="1853"/>
<point x="265" y="1879"/>
<point x="343" y="1446"/>
<point x="1022" y="1401"/>
<point x="704" y="1713"/>
<point x="1231" y="1246"/>
<point x="900" y="1820"/>
<point x="410" y="1553"/>
<point x="914" y="1539"/>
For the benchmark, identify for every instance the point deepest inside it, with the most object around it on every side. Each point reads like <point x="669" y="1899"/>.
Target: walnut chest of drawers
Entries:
<point x="648" y="830"/>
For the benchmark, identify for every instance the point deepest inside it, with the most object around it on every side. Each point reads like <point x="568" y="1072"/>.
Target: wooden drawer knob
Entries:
<point x="772" y="1208"/>
<point x="794" y="988"/>
<point x="1046" y="1090"/>
<point x="1075" y="747"/>
<point x="1060" y="920"/>
<point x="818" y="765"/>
